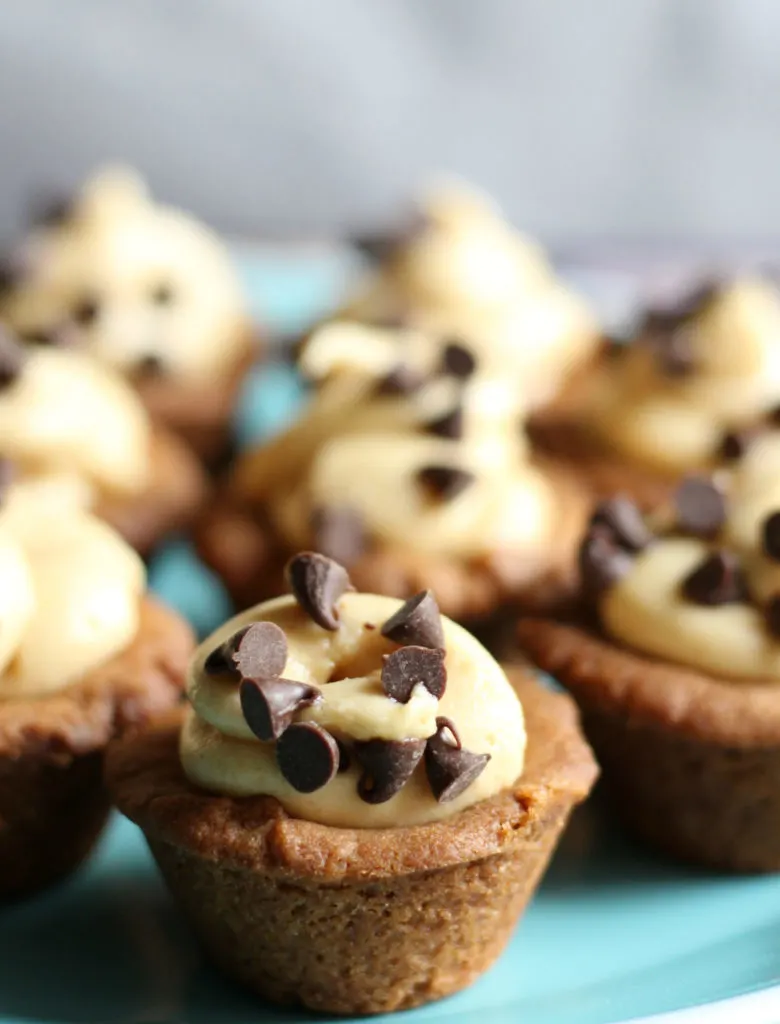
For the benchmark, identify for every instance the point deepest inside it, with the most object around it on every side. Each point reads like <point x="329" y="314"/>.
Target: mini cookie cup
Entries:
<point x="53" y="803"/>
<point x="355" y="921"/>
<point x="690" y="761"/>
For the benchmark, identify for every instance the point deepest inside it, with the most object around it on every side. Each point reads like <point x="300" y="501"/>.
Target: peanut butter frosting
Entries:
<point x="142" y="286"/>
<point x="70" y="595"/>
<point x="412" y="435"/>
<point x="694" y="374"/>
<point x="699" y="583"/>
<point x="353" y="710"/>
<point x="460" y="269"/>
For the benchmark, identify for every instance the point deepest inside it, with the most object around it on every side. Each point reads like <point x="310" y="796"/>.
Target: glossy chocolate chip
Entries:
<point x="317" y="583"/>
<point x="458" y="361"/>
<point x="715" y="581"/>
<point x="339" y="533"/>
<point x="417" y="621"/>
<point x="770" y="533"/>
<point x="345" y="758"/>
<point x="622" y="518"/>
<point x="12" y="358"/>
<point x="700" y="506"/>
<point x="269" y="705"/>
<point x="449" y="425"/>
<point x="735" y="443"/>
<point x="444" y="483"/>
<point x="261" y="652"/>
<point x="401" y="380"/>
<point x="387" y="767"/>
<point x="408" y="667"/>
<point x="308" y="756"/>
<point x="602" y="563"/>
<point x="450" y="768"/>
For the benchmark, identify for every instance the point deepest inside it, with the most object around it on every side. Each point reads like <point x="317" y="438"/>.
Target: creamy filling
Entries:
<point x="219" y="752"/>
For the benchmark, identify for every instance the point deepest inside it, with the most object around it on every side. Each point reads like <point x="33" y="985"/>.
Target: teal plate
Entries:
<point x="613" y="935"/>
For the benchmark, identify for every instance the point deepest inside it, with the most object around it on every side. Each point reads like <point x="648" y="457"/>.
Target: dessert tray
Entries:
<point x="614" y="934"/>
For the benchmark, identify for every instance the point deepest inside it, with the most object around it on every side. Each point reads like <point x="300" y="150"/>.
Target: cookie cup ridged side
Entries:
<point x="53" y="802"/>
<point x="690" y="762"/>
<point x="346" y="920"/>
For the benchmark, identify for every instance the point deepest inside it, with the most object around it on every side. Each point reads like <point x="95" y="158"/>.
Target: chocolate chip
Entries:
<point x="735" y="443"/>
<point x="417" y="622"/>
<point x="449" y="425"/>
<point x="150" y="365"/>
<point x="450" y="768"/>
<point x="12" y="358"/>
<point x="458" y="361"/>
<point x="308" y="756"/>
<point x="717" y="580"/>
<point x="269" y="705"/>
<point x="602" y="563"/>
<point x="401" y="380"/>
<point x="700" y="507"/>
<point x="261" y="652"/>
<point x="771" y="536"/>
<point x="317" y="583"/>
<point x="345" y="760"/>
<point x="772" y="615"/>
<point x="621" y="517"/>
<point x="387" y="767"/>
<point x="162" y="294"/>
<point x="86" y="311"/>
<point x="339" y="533"/>
<point x="408" y="667"/>
<point x="445" y="482"/>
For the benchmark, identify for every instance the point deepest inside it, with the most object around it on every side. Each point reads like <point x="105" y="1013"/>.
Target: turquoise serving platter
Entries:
<point x="614" y="934"/>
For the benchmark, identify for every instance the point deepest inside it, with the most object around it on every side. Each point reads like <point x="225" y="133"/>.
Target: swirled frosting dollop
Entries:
<point x="416" y="438"/>
<point x="353" y="710"/>
<point x="459" y="268"/>
<point x="694" y="374"/>
<point x="142" y="286"/>
<point x="70" y="591"/>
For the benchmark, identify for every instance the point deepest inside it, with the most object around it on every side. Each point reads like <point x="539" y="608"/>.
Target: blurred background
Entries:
<point x="607" y="119"/>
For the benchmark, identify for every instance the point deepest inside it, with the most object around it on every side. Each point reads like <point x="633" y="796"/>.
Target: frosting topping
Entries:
<point x="69" y="594"/>
<point x="363" y="725"/>
<point x="140" y="285"/>
<point x="693" y="375"/>
<point x="416" y="438"/>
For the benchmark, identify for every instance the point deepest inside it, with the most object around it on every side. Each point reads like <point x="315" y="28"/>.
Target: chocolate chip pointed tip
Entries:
<point x="449" y="425"/>
<point x="411" y="666"/>
<point x="717" y="580"/>
<point x="450" y="768"/>
<point x="387" y="767"/>
<point x="417" y="622"/>
<point x="270" y="705"/>
<point x="317" y="582"/>
<point x="308" y="756"/>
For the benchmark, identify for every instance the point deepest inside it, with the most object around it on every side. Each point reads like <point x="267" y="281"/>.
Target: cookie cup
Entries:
<point x="355" y="921"/>
<point x="690" y="761"/>
<point x="53" y="803"/>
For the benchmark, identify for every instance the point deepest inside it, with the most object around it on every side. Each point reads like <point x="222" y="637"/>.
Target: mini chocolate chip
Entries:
<point x="12" y="358"/>
<point x="317" y="583"/>
<point x="387" y="767"/>
<point x="445" y="482"/>
<point x="162" y="294"/>
<point x="408" y="667"/>
<point x="339" y="533"/>
<point x="269" y="705"/>
<point x="458" y="361"/>
<point x="700" y="507"/>
<point x="401" y="380"/>
<point x="601" y="562"/>
<point x="715" y="581"/>
<point x="772" y="615"/>
<point x="450" y="768"/>
<point x="449" y="425"/>
<point x="417" y="622"/>
<point x="261" y="652"/>
<point x="624" y="521"/>
<point x="771" y="536"/>
<point x="150" y="365"/>
<point x="86" y="311"/>
<point x="308" y="756"/>
<point x="735" y="443"/>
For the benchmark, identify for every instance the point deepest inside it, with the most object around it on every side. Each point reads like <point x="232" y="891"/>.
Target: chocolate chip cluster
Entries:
<point x="618" y="532"/>
<point x="308" y="755"/>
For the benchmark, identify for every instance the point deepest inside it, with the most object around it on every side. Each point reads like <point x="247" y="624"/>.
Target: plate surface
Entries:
<point x="613" y="934"/>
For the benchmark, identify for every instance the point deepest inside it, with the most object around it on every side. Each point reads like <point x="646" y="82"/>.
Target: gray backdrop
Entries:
<point x="586" y="117"/>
